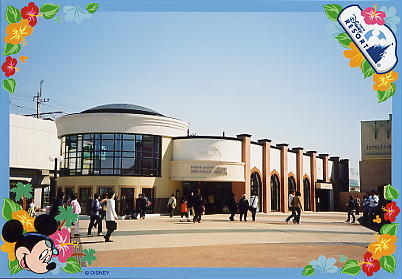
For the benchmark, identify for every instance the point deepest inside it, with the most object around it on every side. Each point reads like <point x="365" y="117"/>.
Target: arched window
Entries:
<point x="275" y="193"/>
<point x="256" y="187"/>
<point x="307" y="193"/>
<point x="291" y="184"/>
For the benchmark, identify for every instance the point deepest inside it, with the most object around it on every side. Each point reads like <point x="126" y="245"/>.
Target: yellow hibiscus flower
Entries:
<point x="26" y="220"/>
<point x="9" y="248"/>
<point x="355" y="56"/>
<point x="384" y="246"/>
<point x="383" y="81"/>
<point x="16" y="32"/>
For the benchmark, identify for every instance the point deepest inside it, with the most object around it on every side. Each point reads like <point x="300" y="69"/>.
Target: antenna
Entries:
<point x="38" y="99"/>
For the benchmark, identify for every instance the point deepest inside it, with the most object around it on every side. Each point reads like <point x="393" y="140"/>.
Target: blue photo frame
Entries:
<point x="208" y="6"/>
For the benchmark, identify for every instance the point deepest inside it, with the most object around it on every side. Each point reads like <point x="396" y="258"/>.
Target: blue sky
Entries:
<point x="273" y="75"/>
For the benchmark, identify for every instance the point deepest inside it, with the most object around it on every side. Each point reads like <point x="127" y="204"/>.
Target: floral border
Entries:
<point x="379" y="253"/>
<point x="383" y="83"/>
<point x="21" y="23"/>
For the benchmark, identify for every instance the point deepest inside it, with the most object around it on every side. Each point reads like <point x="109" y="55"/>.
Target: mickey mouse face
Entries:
<point x="36" y="260"/>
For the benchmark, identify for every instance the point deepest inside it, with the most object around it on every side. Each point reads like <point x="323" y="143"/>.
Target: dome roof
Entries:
<point x="122" y="108"/>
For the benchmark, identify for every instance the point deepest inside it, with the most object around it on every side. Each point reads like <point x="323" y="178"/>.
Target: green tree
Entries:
<point x="22" y="191"/>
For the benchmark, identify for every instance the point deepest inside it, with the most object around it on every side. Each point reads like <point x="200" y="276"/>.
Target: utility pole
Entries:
<point x="38" y="99"/>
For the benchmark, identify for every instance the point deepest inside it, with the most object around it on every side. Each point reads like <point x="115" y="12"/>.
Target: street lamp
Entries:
<point x="53" y="180"/>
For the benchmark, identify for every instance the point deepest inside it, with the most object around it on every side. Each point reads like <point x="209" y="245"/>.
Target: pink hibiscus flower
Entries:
<point x="62" y="242"/>
<point x="372" y="16"/>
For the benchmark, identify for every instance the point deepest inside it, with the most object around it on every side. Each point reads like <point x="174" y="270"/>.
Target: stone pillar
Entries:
<point x="344" y="175"/>
<point x="266" y="175"/>
<point x="244" y="187"/>
<point x="284" y="177"/>
<point x="324" y="158"/>
<point x="299" y="172"/>
<point x="335" y="181"/>
<point x="313" y="177"/>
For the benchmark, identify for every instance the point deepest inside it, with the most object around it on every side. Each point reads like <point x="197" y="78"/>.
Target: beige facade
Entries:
<point x="376" y="144"/>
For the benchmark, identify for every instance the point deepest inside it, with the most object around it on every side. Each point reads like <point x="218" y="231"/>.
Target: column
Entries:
<point x="284" y="177"/>
<point x="299" y="172"/>
<point x="240" y="188"/>
<point x="324" y="158"/>
<point x="266" y="177"/>
<point x="313" y="177"/>
<point x="335" y="181"/>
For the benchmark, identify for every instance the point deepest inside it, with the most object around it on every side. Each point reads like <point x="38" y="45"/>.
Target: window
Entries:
<point x="111" y="154"/>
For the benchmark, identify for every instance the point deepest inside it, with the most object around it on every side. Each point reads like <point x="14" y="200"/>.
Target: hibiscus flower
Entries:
<point x="370" y="265"/>
<point x="8" y="67"/>
<point x="355" y="56"/>
<point x="384" y="246"/>
<point x="30" y="12"/>
<point x="26" y="220"/>
<point x="62" y="242"/>
<point x="391" y="211"/>
<point x="383" y="81"/>
<point x="16" y="32"/>
<point x="9" y="248"/>
<point x="372" y="16"/>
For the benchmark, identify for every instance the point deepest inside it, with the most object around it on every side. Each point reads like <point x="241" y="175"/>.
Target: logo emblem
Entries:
<point x="376" y="42"/>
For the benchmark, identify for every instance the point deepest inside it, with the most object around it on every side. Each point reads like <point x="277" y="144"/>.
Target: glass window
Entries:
<point x="138" y="137"/>
<point x="107" y="136"/>
<point x="128" y="145"/>
<point x="128" y="137"/>
<point x="107" y="145"/>
<point x="107" y="163"/>
<point x="148" y="138"/>
<point x="128" y="163"/>
<point x="106" y="171"/>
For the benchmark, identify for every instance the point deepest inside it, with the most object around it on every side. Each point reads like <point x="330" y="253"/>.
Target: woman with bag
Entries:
<point x="111" y="217"/>
<point x="171" y="205"/>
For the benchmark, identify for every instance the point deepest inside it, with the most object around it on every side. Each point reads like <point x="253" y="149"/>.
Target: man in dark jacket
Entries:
<point x="54" y="209"/>
<point x="243" y="207"/>
<point x="198" y="203"/>
<point x="232" y="207"/>
<point x="95" y="216"/>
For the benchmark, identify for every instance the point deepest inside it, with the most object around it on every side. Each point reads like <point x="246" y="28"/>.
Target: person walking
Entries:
<point x="373" y="206"/>
<point x="296" y="203"/>
<point x="358" y="204"/>
<point x="143" y="206"/>
<point x="103" y="203"/>
<point x="243" y="207"/>
<point x="198" y="206"/>
<point x="95" y="216"/>
<point x="233" y="207"/>
<point x="291" y="208"/>
<point x="253" y="205"/>
<point x="31" y="210"/>
<point x="111" y="216"/>
<point x="77" y="210"/>
<point x="366" y="208"/>
<point x="54" y="209"/>
<point x="351" y="207"/>
<point x="171" y="205"/>
<point x="184" y="210"/>
<point x="190" y="205"/>
<point x="138" y="206"/>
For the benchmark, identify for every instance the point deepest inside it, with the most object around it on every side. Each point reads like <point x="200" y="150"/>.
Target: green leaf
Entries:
<point x="351" y="267"/>
<point x="14" y="267"/>
<point x="73" y="266"/>
<point x="49" y="10"/>
<point x="367" y="70"/>
<point x="89" y="256"/>
<point x="332" y="11"/>
<point x="390" y="192"/>
<point x="388" y="263"/>
<point x="67" y="215"/>
<point x="344" y="39"/>
<point x="308" y="270"/>
<point x="10" y="49"/>
<point x="8" y="208"/>
<point x="92" y="7"/>
<point x="390" y="229"/>
<point x="9" y="85"/>
<point x="13" y="15"/>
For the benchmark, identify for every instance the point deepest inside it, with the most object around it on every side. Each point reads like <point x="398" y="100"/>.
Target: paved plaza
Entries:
<point x="160" y="241"/>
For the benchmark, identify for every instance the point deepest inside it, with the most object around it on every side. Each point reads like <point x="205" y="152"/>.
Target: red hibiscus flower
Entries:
<point x="30" y="12"/>
<point x="9" y="66"/>
<point x="372" y="16"/>
<point x="369" y="265"/>
<point x="391" y="211"/>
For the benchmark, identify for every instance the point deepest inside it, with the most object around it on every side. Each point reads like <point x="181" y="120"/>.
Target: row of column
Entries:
<point x="283" y="172"/>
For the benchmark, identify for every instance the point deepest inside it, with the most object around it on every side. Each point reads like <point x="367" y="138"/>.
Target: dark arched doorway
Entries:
<point x="275" y="193"/>
<point x="256" y="187"/>
<point x="307" y="193"/>
<point x="291" y="184"/>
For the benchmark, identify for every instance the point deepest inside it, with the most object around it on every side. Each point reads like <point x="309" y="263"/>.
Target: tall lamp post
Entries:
<point x="53" y="179"/>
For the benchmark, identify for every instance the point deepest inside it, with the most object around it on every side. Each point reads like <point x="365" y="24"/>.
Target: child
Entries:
<point x="184" y="210"/>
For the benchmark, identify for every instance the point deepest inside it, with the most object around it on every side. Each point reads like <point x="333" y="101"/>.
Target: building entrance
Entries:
<point x="215" y="194"/>
<point x="126" y="201"/>
<point x="84" y="200"/>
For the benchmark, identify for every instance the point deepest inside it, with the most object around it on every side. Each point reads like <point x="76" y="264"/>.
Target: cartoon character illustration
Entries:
<point x="33" y="250"/>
